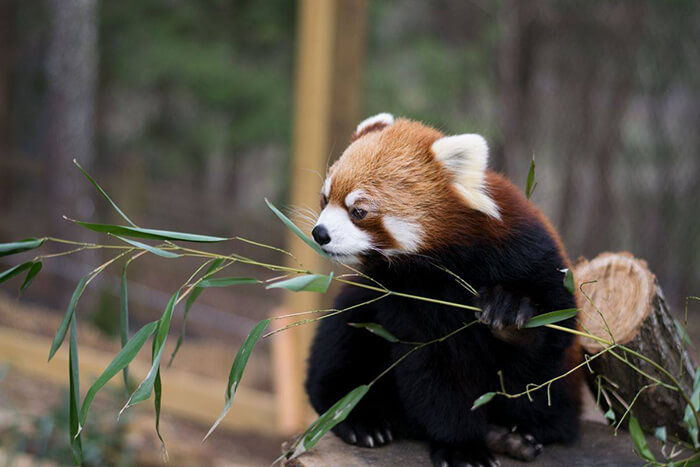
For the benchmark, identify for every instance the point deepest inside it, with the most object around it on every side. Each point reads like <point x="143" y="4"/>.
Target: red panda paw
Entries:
<point x="366" y="435"/>
<point x="501" y="309"/>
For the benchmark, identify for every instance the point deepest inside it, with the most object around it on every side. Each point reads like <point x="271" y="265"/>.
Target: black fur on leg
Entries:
<point x="474" y="454"/>
<point x="512" y="443"/>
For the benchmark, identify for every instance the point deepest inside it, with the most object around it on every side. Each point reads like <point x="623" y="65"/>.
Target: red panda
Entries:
<point x="406" y="205"/>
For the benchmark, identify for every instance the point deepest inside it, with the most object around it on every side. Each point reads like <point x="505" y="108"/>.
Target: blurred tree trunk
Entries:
<point x="5" y="58"/>
<point x="518" y="26"/>
<point x="71" y="72"/>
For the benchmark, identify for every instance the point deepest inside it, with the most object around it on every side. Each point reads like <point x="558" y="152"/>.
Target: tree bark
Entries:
<point x="622" y="298"/>
<point x="71" y="69"/>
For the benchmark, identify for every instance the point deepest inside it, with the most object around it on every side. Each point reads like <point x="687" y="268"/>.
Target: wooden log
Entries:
<point x="596" y="446"/>
<point x="621" y="300"/>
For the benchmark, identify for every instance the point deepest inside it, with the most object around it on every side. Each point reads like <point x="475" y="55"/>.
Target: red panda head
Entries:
<point x="402" y="187"/>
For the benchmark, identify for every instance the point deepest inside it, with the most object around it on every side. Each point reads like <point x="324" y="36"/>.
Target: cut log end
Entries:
<point x="615" y="292"/>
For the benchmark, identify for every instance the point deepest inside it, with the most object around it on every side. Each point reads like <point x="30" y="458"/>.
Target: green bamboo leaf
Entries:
<point x="689" y="419"/>
<point x="227" y="282"/>
<point x="103" y="193"/>
<point x="660" y="434"/>
<point x="308" y="283"/>
<point x="154" y="234"/>
<point x="333" y="416"/>
<point x="569" y="280"/>
<point x="124" y="322"/>
<point x="144" y="389"/>
<point x="194" y="295"/>
<point x="610" y="415"/>
<point x="483" y="399"/>
<point x="74" y="389"/>
<point x="125" y="356"/>
<point x="157" y="390"/>
<point x="530" y="179"/>
<point x="377" y="329"/>
<point x="33" y="271"/>
<point x="295" y="229"/>
<point x="236" y="373"/>
<point x="149" y="248"/>
<point x="70" y="311"/>
<point x="640" y="441"/>
<point x="551" y="317"/>
<point x="27" y="244"/>
<point x="13" y="271"/>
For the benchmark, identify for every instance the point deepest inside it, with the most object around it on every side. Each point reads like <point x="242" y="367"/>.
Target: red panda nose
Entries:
<point x="320" y="234"/>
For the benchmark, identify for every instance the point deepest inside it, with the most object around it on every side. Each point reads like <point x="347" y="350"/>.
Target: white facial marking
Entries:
<point x="384" y="118"/>
<point x="353" y="196"/>
<point x="466" y="157"/>
<point x="407" y="233"/>
<point x="326" y="187"/>
<point x="346" y="238"/>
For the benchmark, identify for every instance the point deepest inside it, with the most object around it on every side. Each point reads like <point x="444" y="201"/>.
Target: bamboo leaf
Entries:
<point x="551" y="317"/>
<point x="569" y="280"/>
<point x="13" y="271"/>
<point x="27" y="244"/>
<point x="103" y="193"/>
<point x="70" y="311"/>
<point x="483" y="399"/>
<point x="689" y="419"/>
<point x="333" y="416"/>
<point x="308" y="283"/>
<point x="74" y="389"/>
<point x="144" y="389"/>
<point x="33" y="271"/>
<point x="295" y="229"/>
<point x="530" y="179"/>
<point x="377" y="329"/>
<point x="194" y="295"/>
<point x="125" y="356"/>
<point x="157" y="391"/>
<point x="227" y="282"/>
<point x="610" y="415"/>
<point x="236" y="373"/>
<point x="152" y="249"/>
<point x="660" y="434"/>
<point x="640" y="441"/>
<point x="154" y="234"/>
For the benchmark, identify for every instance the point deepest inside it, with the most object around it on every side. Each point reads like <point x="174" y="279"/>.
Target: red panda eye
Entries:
<point x="358" y="213"/>
<point x="324" y="201"/>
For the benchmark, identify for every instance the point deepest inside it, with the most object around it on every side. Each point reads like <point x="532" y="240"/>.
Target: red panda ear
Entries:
<point x="466" y="157"/>
<point x="375" y="123"/>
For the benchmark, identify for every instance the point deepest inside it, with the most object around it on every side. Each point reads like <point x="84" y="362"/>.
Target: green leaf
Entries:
<point x="154" y="234"/>
<point x="640" y="441"/>
<point x="483" y="399"/>
<point x="13" y="271"/>
<point x="689" y="419"/>
<point x="157" y="390"/>
<point x="76" y="444"/>
<point x="227" y="282"/>
<point x="569" y="280"/>
<point x="610" y="415"/>
<point x="530" y="179"/>
<point x="333" y="416"/>
<point x="296" y="229"/>
<point x="106" y="196"/>
<point x="377" y="329"/>
<point x="63" y="327"/>
<point x="27" y="244"/>
<point x="125" y="356"/>
<point x="33" y="271"/>
<point x="149" y="248"/>
<point x="144" y="389"/>
<point x="660" y="434"/>
<point x="237" y="369"/>
<point x="194" y="295"/>
<point x="124" y="322"/>
<point x="307" y="283"/>
<point x="551" y="317"/>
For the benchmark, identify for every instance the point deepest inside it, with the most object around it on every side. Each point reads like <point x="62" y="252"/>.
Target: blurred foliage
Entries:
<point x="217" y="73"/>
